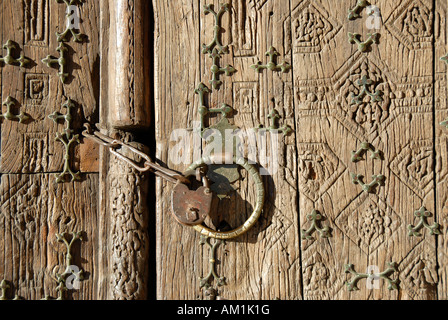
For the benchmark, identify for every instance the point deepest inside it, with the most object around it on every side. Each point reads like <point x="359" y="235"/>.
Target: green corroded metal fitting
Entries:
<point x="68" y="139"/>
<point x="274" y="118"/>
<point x="62" y="278"/>
<point x="315" y="218"/>
<point x="445" y="58"/>
<point x="216" y="70"/>
<point x="61" y="62"/>
<point x="64" y="36"/>
<point x="10" y="47"/>
<point x="365" y="83"/>
<point x="206" y="282"/>
<point x="444" y="123"/>
<point x="365" y="147"/>
<point x="352" y="284"/>
<point x="354" y="12"/>
<point x="8" y="115"/>
<point x="423" y="215"/>
<point x="226" y="110"/>
<point x="363" y="46"/>
<point x="378" y="180"/>
<point x="4" y="287"/>
<point x="216" y="42"/>
<point x="272" y="65"/>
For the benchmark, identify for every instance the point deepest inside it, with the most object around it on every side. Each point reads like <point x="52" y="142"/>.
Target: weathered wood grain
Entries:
<point x="315" y="98"/>
<point x="129" y="83"/>
<point x="441" y="152"/>
<point x="34" y="207"/>
<point x="264" y="264"/>
<point x="33" y="210"/>
<point x="30" y="147"/>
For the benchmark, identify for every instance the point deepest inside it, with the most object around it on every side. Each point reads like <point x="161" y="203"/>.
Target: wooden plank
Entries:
<point x="441" y="140"/>
<point x="176" y="75"/>
<point x="38" y="90"/>
<point x="34" y="210"/>
<point x="34" y="207"/>
<point x="367" y="229"/>
<point x="265" y="263"/>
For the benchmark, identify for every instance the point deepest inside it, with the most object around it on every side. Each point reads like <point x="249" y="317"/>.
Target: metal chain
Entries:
<point x="149" y="166"/>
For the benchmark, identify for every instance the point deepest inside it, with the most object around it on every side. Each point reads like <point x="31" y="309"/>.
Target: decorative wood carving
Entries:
<point x="128" y="262"/>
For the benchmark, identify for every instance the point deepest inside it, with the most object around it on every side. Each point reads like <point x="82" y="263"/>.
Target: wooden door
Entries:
<point x="361" y="170"/>
<point x="342" y="108"/>
<point x="49" y="176"/>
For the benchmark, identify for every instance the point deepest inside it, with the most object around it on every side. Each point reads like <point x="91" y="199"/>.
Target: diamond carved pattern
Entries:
<point x="320" y="276"/>
<point x="369" y="222"/>
<point x="413" y="166"/>
<point x="319" y="168"/>
<point x="365" y="113"/>
<point x="418" y="273"/>
<point x="313" y="28"/>
<point x="411" y="24"/>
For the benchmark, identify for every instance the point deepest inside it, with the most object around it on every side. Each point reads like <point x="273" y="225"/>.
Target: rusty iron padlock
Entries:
<point x="190" y="207"/>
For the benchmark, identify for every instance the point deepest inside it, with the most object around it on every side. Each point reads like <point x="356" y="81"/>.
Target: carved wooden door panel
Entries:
<point x="49" y="179"/>
<point x="360" y="188"/>
<point x="342" y="109"/>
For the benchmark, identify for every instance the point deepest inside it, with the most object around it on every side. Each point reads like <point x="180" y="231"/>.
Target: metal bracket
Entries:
<point x="352" y="284"/>
<point x="366" y="147"/>
<point x="216" y="49"/>
<point x="365" y="83"/>
<point x="217" y="70"/>
<point x="61" y="62"/>
<point x="272" y="65"/>
<point x="363" y="46"/>
<point x="353" y="13"/>
<point x="274" y="118"/>
<point x="61" y="279"/>
<point x="378" y="180"/>
<point x="11" y="46"/>
<point x="8" y="115"/>
<point x="445" y="58"/>
<point x="324" y="232"/>
<point x="77" y="36"/>
<point x="225" y="110"/>
<point x="423" y="215"/>
<point x="216" y="42"/>
<point x="67" y="139"/>
<point x="4" y="286"/>
<point x="206" y="282"/>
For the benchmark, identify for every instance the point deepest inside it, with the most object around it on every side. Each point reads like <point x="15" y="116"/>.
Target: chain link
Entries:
<point x="149" y="166"/>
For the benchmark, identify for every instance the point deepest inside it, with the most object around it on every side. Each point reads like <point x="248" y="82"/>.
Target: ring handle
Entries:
<point x="250" y="222"/>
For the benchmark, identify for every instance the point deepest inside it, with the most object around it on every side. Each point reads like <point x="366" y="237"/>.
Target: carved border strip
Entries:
<point x="274" y="117"/>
